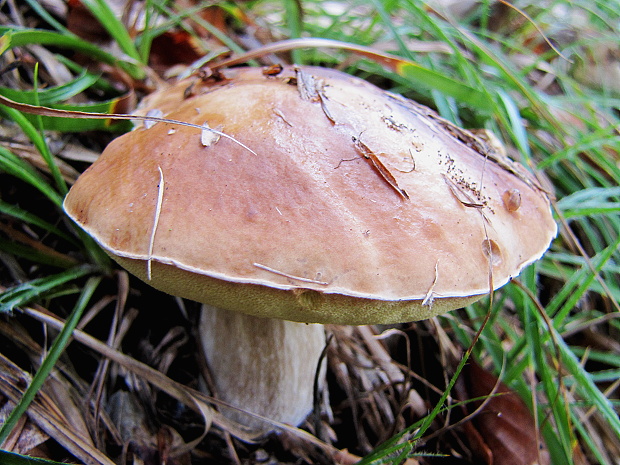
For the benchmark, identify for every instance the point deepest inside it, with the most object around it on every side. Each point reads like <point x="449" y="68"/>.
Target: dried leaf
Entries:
<point x="45" y="111"/>
<point x="379" y="167"/>
<point x="82" y="23"/>
<point x="504" y="429"/>
<point x="174" y="47"/>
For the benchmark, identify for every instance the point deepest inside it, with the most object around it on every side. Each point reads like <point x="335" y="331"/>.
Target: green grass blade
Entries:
<point x="32" y="219"/>
<point x="144" y="42"/>
<point x="40" y="255"/>
<point x="515" y="123"/>
<point x="77" y="125"/>
<point x="39" y="142"/>
<point x="50" y="360"/>
<point x="101" y="84"/>
<point x="10" y="458"/>
<point x="439" y="81"/>
<point x="587" y="388"/>
<point x="48" y="18"/>
<point x="594" y="355"/>
<point x="12" y="164"/>
<point x="578" y="285"/>
<point x="414" y="432"/>
<point x="512" y="78"/>
<point x="50" y="98"/>
<point x="604" y="137"/>
<point x="22" y="294"/>
<point x="431" y="79"/>
<point x="395" y="445"/>
<point x="14" y="37"/>
<point x="294" y="22"/>
<point x="561" y="266"/>
<point x="590" y="201"/>
<point x="106" y="17"/>
<point x="51" y="95"/>
<point x="592" y="446"/>
<point x="538" y="353"/>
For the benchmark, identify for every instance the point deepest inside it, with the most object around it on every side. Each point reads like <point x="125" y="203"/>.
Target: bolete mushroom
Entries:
<point x="314" y="197"/>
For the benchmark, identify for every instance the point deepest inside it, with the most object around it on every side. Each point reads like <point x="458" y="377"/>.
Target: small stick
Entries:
<point x="379" y="166"/>
<point x="160" y="201"/>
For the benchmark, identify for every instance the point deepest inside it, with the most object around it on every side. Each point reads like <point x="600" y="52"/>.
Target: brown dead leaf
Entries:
<point x="173" y="48"/>
<point x="503" y="431"/>
<point x="379" y="167"/>
<point x="82" y="23"/>
<point x="141" y="441"/>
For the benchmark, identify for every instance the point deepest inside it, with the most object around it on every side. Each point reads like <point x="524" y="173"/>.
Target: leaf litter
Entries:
<point x="502" y="429"/>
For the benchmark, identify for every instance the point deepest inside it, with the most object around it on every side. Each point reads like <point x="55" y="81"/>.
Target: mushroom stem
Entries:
<point x="262" y="365"/>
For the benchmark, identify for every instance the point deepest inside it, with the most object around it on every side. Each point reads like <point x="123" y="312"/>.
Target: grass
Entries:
<point x="551" y="335"/>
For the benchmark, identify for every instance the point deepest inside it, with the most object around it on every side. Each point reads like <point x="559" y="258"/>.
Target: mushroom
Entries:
<point x="302" y="196"/>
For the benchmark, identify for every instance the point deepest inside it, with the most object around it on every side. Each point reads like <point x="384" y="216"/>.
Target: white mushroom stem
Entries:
<point x="262" y="365"/>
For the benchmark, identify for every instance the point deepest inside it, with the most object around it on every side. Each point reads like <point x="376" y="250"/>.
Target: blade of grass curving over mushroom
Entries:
<point x="401" y="66"/>
<point x="39" y="110"/>
<point x="54" y="98"/>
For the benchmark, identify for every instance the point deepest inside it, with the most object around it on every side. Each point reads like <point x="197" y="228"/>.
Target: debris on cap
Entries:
<point x="327" y="201"/>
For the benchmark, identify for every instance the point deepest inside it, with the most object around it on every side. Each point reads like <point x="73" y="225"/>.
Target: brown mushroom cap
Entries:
<point x="353" y="205"/>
